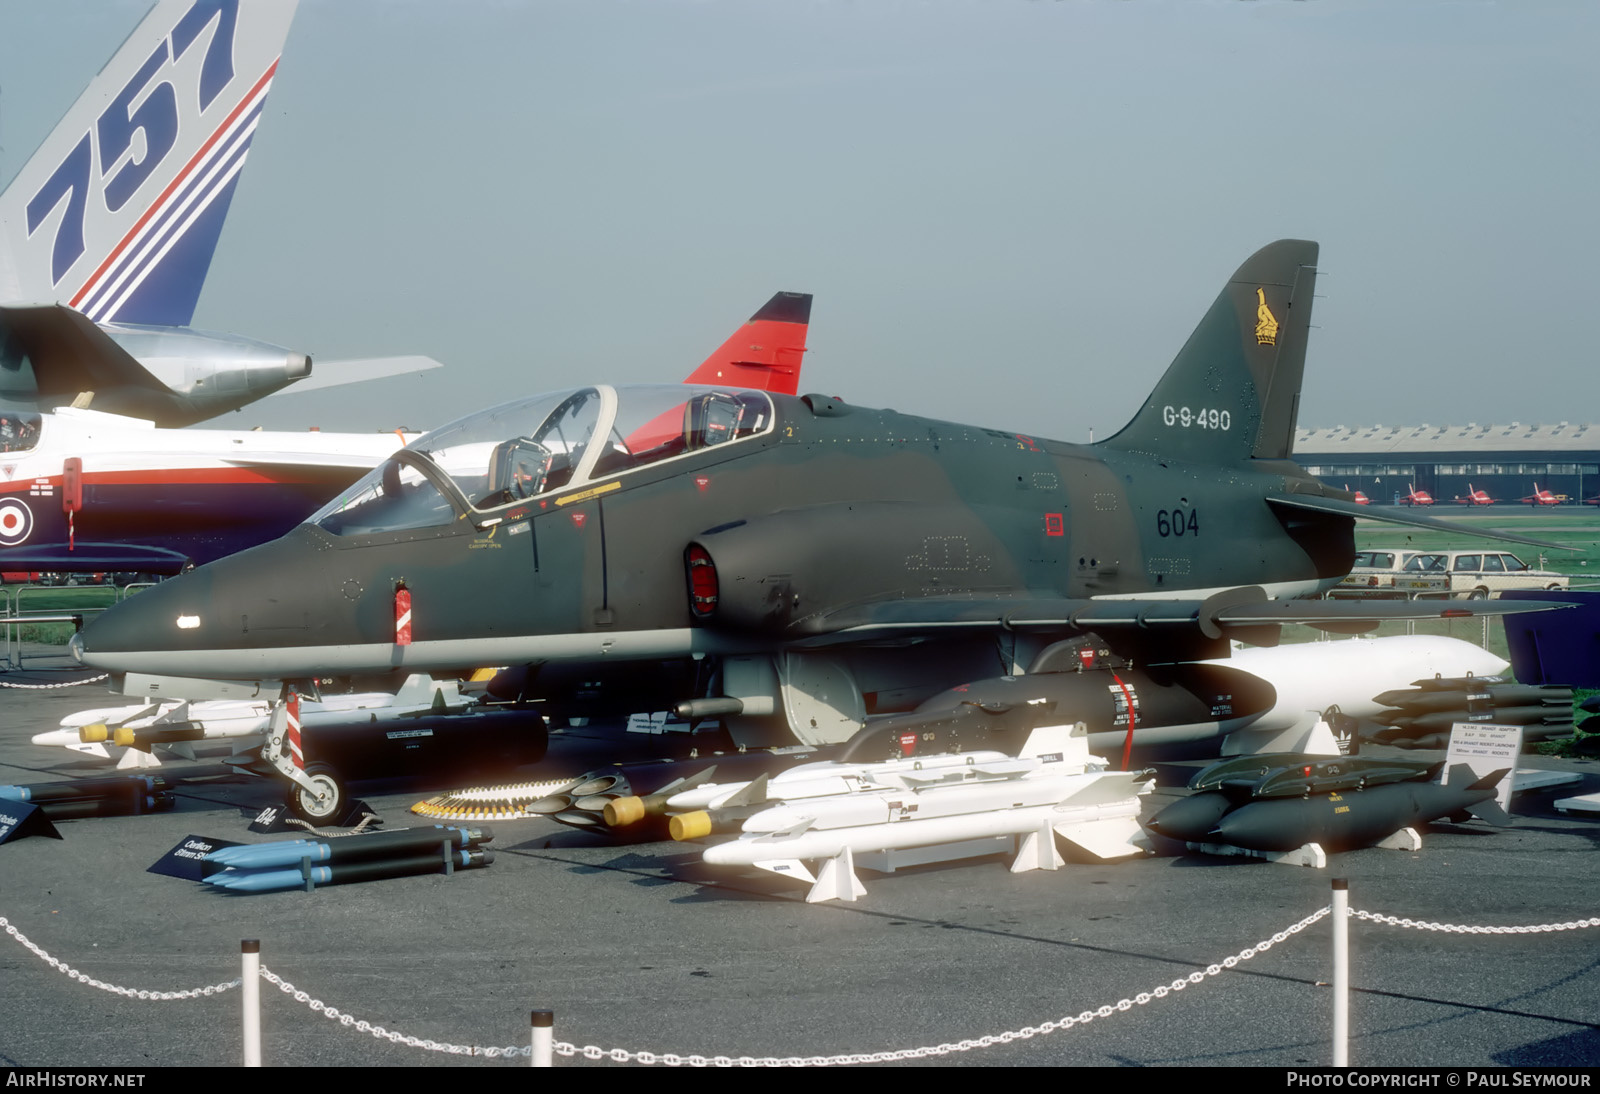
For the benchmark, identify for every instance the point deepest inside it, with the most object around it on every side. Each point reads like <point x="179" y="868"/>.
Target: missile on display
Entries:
<point x="1254" y="700"/>
<point x="1295" y="776"/>
<point x="369" y="845"/>
<point x="81" y="789"/>
<point x="119" y="796"/>
<point x="426" y="725"/>
<point x="1334" y="820"/>
<point x="954" y="806"/>
<point x="1339" y="822"/>
<point x="272" y="880"/>
<point x="1422" y="715"/>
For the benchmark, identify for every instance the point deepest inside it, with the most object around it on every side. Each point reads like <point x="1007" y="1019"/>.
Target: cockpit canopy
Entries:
<point x="538" y="445"/>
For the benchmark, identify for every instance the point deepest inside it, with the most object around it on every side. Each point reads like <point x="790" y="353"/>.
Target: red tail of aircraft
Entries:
<point x="1476" y="497"/>
<point x="1545" y="497"/>
<point x="765" y="353"/>
<point x="1417" y="497"/>
<point x="1361" y="499"/>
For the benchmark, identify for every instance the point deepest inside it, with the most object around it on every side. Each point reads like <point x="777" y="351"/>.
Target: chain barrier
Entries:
<point x="131" y="993"/>
<point x="48" y="687"/>
<point x="349" y="1021"/>
<point x="1467" y="928"/>
<point x="672" y="1059"/>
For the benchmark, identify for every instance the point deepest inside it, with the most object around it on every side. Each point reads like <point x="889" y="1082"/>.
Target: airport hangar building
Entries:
<point x="1503" y="460"/>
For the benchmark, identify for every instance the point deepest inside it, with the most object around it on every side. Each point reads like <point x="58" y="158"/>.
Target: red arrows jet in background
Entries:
<point x="1542" y="497"/>
<point x="1476" y="497"/>
<point x="1417" y="497"/>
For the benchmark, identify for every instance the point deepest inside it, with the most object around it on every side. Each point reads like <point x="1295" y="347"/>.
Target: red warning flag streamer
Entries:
<point x="402" y="616"/>
<point x="296" y="753"/>
<point x="1127" y="697"/>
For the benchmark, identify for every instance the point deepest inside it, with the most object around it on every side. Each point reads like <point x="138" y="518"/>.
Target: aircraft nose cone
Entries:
<point x="166" y="619"/>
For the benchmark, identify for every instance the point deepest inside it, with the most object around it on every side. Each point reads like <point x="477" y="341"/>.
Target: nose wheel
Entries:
<point x="321" y="797"/>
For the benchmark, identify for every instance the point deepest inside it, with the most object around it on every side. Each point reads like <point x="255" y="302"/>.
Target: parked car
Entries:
<point x="1372" y="576"/>
<point x="1473" y="575"/>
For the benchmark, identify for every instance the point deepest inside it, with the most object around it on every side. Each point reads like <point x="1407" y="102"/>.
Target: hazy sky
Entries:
<point x="1011" y="213"/>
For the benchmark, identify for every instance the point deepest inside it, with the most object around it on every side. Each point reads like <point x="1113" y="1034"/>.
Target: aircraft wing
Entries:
<point x="1366" y="512"/>
<point x="67" y="352"/>
<point x="81" y="557"/>
<point x="358" y="370"/>
<point x="1168" y="629"/>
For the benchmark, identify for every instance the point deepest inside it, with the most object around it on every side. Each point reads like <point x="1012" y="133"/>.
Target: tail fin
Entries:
<point x="118" y="212"/>
<point x="1233" y="391"/>
<point x="765" y="353"/>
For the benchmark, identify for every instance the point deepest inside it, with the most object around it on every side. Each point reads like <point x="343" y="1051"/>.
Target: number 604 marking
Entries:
<point x="1177" y="522"/>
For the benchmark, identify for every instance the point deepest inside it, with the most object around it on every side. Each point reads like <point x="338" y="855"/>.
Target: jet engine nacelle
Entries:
<point x="782" y="574"/>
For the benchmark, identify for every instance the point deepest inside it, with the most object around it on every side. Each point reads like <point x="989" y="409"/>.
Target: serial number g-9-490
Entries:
<point x="1209" y="418"/>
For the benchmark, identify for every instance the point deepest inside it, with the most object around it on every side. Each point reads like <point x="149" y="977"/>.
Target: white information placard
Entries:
<point x="1486" y="747"/>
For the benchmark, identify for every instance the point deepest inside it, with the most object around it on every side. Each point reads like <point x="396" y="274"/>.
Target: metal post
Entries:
<point x="1341" y="972"/>
<point x="544" y="1039"/>
<point x="250" y="987"/>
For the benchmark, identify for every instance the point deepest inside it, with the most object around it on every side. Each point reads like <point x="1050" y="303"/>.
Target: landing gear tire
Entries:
<point x="325" y="803"/>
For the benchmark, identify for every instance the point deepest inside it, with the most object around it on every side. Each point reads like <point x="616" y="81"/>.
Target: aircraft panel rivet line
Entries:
<point x="48" y="687"/>
<point x="131" y="993"/>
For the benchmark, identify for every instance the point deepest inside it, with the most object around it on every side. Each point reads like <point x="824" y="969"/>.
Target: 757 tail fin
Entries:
<point x="1233" y="391"/>
<point x="118" y="212"/>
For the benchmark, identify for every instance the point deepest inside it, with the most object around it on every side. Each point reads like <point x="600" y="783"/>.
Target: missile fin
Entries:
<point x="788" y="867"/>
<point x="179" y="713"/>
<point x="1069" y="741"/>
<point x="1112" y="786"/>
<point x="1489" y="812"/>
<point x="1115" y="837"/>
<point x="753" y="793"/>
<point x="1488" y="782"/>
<point x="688" y="782"/>
<point x="803" y="824"/>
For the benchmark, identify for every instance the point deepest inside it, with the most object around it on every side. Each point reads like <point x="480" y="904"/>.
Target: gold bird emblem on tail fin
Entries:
<point x="1266" y="325"/>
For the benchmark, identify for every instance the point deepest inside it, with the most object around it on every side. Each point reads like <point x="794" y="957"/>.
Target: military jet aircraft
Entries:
<point x="1474" y="496"/>
<point x="1542" y="497"/>
<point x="796" y="564"/>
<point x="85" y="491"/>
<point x="106" y="234"/>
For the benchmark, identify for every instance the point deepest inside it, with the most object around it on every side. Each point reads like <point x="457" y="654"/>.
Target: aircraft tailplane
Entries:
<point x="1233" y="391"/>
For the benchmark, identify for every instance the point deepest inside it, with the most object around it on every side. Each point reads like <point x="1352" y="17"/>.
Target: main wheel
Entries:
<point x="325" y="803"/>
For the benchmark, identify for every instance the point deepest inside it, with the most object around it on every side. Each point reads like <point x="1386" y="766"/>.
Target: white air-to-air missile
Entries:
<point x="177" y="725"/>
<point x="953" y="806"/>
